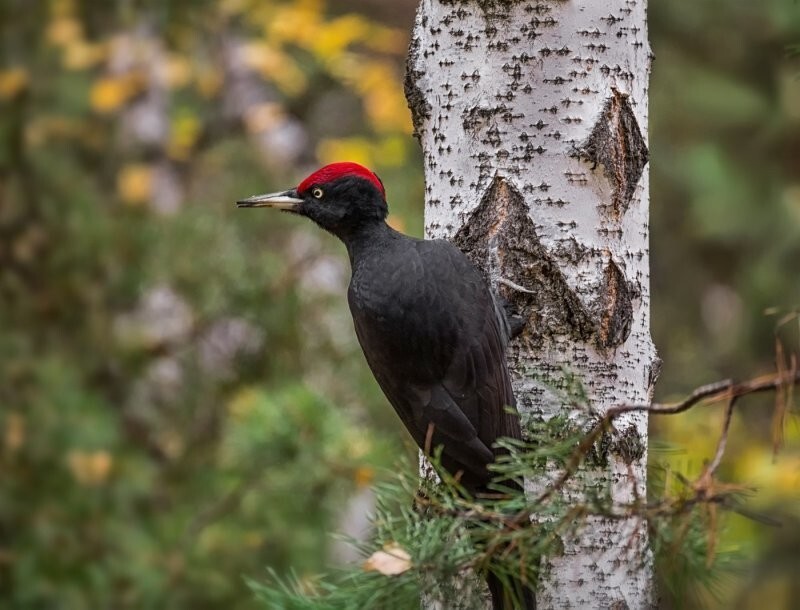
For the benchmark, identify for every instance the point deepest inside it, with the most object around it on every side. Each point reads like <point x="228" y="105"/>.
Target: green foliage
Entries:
<point x="685" y="572"/>
<point x="163" y="357"/>
<point x="724" y="117"/>
<point x="725" y="215"/>
<point x="447" y="538"/>
<point x="147" y="533"/>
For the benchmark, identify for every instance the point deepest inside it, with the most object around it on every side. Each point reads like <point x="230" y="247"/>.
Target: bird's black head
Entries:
<point x="342" y="198"/>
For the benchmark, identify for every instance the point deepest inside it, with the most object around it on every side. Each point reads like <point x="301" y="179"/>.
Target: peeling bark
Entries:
<point x="532" y="116"/>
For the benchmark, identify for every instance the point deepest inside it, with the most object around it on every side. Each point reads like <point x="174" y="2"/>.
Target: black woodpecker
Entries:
<point x="429" y="326"/>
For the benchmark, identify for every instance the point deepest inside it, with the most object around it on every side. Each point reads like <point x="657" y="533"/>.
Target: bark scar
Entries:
<point x="616" y="144"/>
<point x="615" y="308"/>
<point x="500" y="238"/>
<point x="417" y="100"/>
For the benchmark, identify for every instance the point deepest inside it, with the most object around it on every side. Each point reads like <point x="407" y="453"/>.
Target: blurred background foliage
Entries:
<point x="182" y="401"/>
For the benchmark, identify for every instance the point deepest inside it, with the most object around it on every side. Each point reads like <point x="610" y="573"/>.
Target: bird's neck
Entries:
<point x="368" y="238"/>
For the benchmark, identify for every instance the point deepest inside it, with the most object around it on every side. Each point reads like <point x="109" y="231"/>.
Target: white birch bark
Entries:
<point x="532" y="117"/>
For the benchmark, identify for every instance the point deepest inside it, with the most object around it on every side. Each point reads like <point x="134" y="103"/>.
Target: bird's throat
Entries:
<point x="368" y="239"/>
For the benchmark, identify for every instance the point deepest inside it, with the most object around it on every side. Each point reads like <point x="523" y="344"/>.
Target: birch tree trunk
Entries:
<point x="532" y="117"/>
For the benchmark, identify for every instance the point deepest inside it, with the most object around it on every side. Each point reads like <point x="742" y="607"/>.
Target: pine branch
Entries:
<point x="446" y="534"/>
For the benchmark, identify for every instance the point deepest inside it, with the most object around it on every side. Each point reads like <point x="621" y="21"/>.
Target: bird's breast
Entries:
<point x="399" y="319"/>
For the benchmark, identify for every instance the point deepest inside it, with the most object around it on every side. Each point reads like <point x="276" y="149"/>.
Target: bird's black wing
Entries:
<point x="433" y="338"/>
<point x="477" y="379"/>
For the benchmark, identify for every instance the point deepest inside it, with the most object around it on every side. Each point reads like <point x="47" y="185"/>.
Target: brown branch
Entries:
<point x="712" y="392"/>
<point x="723" y="439"/>
<point x="783" y="396"/>
<point x="704" y="491"/>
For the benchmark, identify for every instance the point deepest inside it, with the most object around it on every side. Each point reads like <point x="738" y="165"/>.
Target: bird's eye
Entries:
<point x="317" y="192"/>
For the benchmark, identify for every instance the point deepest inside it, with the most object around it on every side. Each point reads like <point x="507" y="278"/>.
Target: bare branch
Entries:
<point x="723" y="439"/>
<point x="712" y="392"/>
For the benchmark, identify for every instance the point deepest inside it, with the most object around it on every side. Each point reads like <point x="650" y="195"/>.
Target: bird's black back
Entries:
<point x="435" y="341"/>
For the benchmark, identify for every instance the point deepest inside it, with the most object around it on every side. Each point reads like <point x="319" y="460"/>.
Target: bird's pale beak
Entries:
<point x="286" y="200"/>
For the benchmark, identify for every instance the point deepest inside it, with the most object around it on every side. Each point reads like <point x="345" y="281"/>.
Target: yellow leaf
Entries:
<point x="390" y="561"/>
<point x="135" y="183"/>
<point x="379" y="86"/>
<point x="81" y="55"/>
<point x="262" y="117"/>
<point x="387" y="40"/>
<point x="111" y="92"/>
<point x="183" y="136"/>
<point x="384" y="100"/>
<point x="392" y="151"/>
<point x="12" y="83"/>
<point x="108" y="94"/>
<point x="296" y="24"/>
<point x="787" y="476"/>
<point x="14" y="432"/>
<point x="63" y="31"/>
<point x="335" y="36"/>
<point x="90" y="468"/>
<point x="175" y="71"/>
<point x="357" y="150"/>
<point x="274" y="65"/>
<point x="363" y="476"/>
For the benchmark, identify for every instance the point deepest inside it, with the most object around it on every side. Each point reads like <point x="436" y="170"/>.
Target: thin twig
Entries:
<point x="704" y="491"/>
<point x="514" y="286"/>
<point x="712" y="392"/>
<point x="723" y="438"/>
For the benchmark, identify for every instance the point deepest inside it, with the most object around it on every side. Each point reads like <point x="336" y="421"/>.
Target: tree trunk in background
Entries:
<point x="533" y="122"/>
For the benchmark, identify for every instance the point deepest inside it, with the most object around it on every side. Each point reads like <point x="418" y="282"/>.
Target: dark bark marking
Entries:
<point x="654" y="371"/>
<point x="628" y="445"/>
<point x="492" y="9"/>
<point x="482" y="122"/>
<point x="477" y="117"/>
<point x="415" y="96"/>
<point x="615" y="308"/>
<point x="500" y="238"/>
<point x="616" y="144"/>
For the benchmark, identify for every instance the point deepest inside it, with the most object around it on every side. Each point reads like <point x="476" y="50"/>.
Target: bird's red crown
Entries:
<point x="338" y="170"/>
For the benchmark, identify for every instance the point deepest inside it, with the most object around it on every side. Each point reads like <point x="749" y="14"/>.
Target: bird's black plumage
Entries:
<point x="428" y="324"/>
<point x="434" y="339"/>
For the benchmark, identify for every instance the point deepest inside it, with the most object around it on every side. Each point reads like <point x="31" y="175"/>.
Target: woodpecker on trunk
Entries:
<point x="432" y="332"/>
